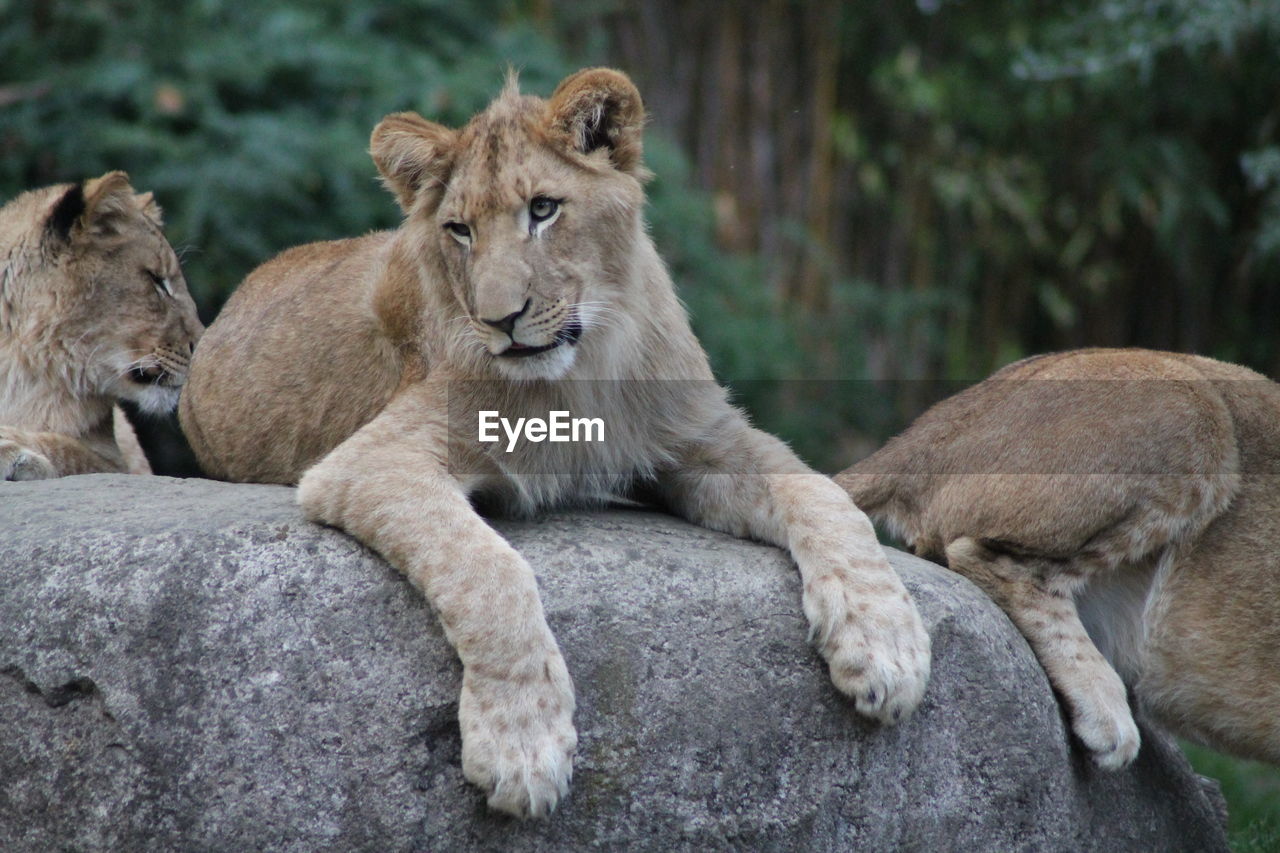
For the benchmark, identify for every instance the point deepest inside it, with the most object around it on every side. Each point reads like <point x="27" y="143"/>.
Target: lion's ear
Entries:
<point x="600" y="108"/>
<point x="146" y="203"/>
<point x="108" y="204"/>
<point x="97" y="207"/>
<point x="66" y="213"/>
<point x="412" y="154"/>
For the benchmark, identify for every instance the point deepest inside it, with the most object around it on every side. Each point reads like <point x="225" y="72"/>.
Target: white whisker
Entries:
<point x="598" y="315"/>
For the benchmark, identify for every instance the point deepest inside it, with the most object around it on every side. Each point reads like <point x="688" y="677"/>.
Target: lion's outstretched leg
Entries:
<point x="1039" y="601"/>
<point x="860" y="616"/>
<point x="31" y="455"/>
<point x="20" y="461"/>
<point x="389" y="486"/>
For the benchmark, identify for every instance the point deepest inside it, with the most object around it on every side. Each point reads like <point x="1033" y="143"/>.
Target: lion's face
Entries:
<point x="149" y="344"/>
<point x="124" y="316"/>
<point x="529" y="212"/>
<point x="512" y="241"/>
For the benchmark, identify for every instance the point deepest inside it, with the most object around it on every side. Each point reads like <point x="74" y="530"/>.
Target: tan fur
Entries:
<point x="86" y="321"/>
<point x="357" y="368"/>
<point x="1131" y="492"/>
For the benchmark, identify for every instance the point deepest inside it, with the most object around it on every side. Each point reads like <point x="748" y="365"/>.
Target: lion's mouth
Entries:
<point x="570" y="334"/>
<point x="147" y="375"/>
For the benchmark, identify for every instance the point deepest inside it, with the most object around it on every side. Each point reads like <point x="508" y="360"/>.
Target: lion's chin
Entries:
<point x="552" y="364"/>
<point x="152" y="399"/>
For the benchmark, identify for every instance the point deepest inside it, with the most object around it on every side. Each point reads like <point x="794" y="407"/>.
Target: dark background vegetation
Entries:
<point x="864" y="204"/>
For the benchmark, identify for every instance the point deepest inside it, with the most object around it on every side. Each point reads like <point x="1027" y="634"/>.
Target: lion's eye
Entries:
<point x="543" y="208"/>
<point x="459" y="232"/>
<point x="161" y="283"/>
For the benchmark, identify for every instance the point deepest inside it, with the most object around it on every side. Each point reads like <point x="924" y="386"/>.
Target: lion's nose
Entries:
<point x="508" y="323"/>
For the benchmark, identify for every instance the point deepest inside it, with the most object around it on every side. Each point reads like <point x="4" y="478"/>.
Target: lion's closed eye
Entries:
<point x="162" y="283"/>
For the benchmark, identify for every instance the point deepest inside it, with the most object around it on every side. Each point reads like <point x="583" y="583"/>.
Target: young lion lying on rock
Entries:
<point x="93" y="310"/>
<point x="1131" y="492"/>
<point x="521" y="283"/>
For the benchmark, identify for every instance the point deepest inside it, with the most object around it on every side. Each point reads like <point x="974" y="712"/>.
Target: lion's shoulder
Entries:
<point x="346" y="252"/>
<point x="308" y="277"/>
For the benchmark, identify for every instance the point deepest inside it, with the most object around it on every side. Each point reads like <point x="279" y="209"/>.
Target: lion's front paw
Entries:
<point x="874" y="643"/>
<point x="518" y="738"/>
<point x="1101" y="718"/>
<point x="322" y="493"/>
<point x="22" y="463"/>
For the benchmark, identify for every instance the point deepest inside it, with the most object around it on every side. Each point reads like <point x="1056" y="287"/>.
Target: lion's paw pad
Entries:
<point x="877" y="650"/>
<point x="518" y="743"/>
<point x="1104" y="723"/>
<point x="21" y="463"/>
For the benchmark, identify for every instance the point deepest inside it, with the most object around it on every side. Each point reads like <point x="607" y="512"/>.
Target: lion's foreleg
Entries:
<point x="29" y="455"/>
<point x="860" y="615"/>
<point x="131" y="453"/>
<point x="389" y="487"/>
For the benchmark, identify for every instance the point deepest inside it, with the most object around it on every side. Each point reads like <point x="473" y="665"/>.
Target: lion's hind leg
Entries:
<point x="1037" y="594"/>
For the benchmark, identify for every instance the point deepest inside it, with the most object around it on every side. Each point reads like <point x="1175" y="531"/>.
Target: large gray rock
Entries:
<point x="188" y="665"/>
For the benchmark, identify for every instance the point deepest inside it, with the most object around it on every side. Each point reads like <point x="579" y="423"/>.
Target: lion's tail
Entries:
<point x="876" y="488"/>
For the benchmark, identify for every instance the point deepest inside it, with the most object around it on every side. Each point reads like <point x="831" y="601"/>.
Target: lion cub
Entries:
<point x="1126" y="501"/>
<point x="93" y="310"/>
<point x="522" y="282"/>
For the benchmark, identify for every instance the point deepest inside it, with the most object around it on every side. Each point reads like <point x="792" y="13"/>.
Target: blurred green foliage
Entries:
<point x="1073" y="174"/>
<point x="1030" y="179"/>
<point x="1252" y="791"/>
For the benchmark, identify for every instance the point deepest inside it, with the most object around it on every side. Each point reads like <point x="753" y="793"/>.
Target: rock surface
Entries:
<point x="189" y="665"/>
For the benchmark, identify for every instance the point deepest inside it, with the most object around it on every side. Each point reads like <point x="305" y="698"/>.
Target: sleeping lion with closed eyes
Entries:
<point x="93" y="310"/>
